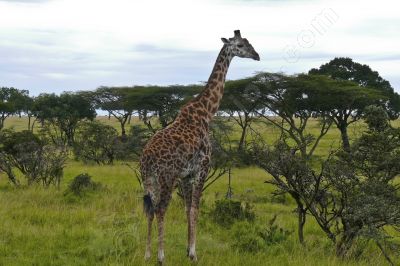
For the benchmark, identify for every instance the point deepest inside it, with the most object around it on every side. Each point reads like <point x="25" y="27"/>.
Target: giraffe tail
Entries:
<point x="148" y="206"/>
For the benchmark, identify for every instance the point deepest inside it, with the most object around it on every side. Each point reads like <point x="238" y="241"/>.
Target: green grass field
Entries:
<point x="44" y="227"/>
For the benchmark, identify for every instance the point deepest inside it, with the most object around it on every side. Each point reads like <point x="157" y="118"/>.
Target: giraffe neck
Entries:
<point x="211" y="95"/>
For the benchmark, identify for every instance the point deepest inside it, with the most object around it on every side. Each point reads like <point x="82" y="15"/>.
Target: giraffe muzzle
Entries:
<point x="256" y="57"/>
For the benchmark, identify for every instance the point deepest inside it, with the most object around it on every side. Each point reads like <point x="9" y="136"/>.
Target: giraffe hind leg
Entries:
<point x="160" y="210"/>
<point x="197" y="190"/>
<point x="186" y="187"/>
<point x="148" y="243"/>
<point x="148" y="208"/>
<point x="160" y="214"/>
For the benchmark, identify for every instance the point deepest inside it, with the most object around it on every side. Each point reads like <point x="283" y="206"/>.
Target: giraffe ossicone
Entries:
<point x="182" y="151"/>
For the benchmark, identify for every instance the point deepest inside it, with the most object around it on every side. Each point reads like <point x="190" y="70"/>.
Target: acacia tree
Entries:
<point x="95" y="142"/>
<point x="116" y="101"/>
<point x="347" y="106"/>
<point x="28" y="104"/>
<point x="291" y="174"/>
<point x="162" y="103"/>
<point x="362" y="199"/>
<point x="341" y="101"/>
<point x="61" y="114"/>
<point x="352" y="195"/>
<point x="241" y="101"/>
<point x="289" y="104"/>
<point x="223" y="154"/>
<point x="12" y="101"/>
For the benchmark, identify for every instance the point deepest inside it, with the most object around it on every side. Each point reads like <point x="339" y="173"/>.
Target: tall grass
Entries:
<point x="45" y="227"/>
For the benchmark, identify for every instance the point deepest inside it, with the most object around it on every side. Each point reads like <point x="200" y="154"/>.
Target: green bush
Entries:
<point x="227" y="212"/>
<point x="273" y="234"/>
<point x="248" y="237"/>
<point x="81" y="184"/>
<point x="133" y="143"/>
<point x="95" y="142"/>
<point x="38" y="161"/>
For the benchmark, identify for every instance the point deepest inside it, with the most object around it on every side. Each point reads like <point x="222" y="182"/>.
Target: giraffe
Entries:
<point x="181" y="152"/>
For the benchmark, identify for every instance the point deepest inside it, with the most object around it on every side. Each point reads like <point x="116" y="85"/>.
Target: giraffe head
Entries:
<point x="241" y="47"/>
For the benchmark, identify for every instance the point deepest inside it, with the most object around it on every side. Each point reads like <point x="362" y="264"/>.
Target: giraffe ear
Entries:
<point x="224" y="40"/>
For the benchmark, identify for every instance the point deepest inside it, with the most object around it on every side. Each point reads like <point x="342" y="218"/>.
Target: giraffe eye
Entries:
<point x="240" y="45"/>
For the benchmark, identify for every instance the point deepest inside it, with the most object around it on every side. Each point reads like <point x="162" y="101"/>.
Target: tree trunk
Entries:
<point x="301" y="221"/>
<point x="301" y="217"/>
<point x="123" y="122"/>
<point x="2" y="122"/>
<point x="7" y="169"/>
<point x="33" y="125"/>
<point x="344" y="245"/>
<point x="345" y="137"/>
<point x="69" y="133"/>
<point x="303" y="151"/>
<point x="242" y="138"/>
<point x="123" y="131"/>
<point x="29" y="122"/>
<point x="350" y="231"/>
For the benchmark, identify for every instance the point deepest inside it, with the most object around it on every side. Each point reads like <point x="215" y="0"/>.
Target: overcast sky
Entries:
<point x="58" y="45"/>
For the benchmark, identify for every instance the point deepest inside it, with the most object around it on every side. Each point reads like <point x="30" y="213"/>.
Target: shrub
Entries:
<point x="130" y="148"/>
<point x="363" y="198"/>
<point x="226" y="212"/>
<point x="248" y="237"/>
<point x="95" y="142"/>
<point x="36" y="160"/>
<point x="82" y="183"/>
<point x="274" y="234"/>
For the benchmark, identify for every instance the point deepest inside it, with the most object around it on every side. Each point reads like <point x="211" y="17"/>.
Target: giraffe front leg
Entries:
<point x="194" y="211"/>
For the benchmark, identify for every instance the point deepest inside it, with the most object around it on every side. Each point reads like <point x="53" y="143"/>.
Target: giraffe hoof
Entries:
<point x="193" y="257"/>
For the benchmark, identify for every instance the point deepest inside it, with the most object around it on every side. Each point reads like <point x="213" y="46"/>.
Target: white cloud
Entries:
<point x="86" y="43"/>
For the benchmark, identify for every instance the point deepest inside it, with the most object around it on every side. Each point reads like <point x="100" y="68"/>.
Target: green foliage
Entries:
<point x="12" y="101"/>
<point x="60" y="115"/>
<point x="36" y="160"/>
<point x="273" y="233"/>
<point x="162" y="102"/>
<point x="241" y="101"/>
<point x="376" y="118"/>
<point x="362" y="193"/>
<point x="11" y="140"/>
<point x="147" y="101"/>
<point x="343" y="68"/>
<point x="96" y="142"/>
<point x="116" y="102"/>
<point x="248" y="237"/>
<point x="227" y="212"/>
<point x="130" y="147"/>
<point x="289" y="104"/>
<point x="82" y="184"/>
